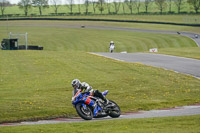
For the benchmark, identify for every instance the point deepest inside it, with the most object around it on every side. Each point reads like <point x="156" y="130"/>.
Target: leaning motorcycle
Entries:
<point x="89" y="107"/>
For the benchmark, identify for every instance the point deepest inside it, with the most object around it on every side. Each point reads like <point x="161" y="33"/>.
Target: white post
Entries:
<point x="10" y="35"/>
<point x="7" y="23"/>
<point x="26" y="40"/>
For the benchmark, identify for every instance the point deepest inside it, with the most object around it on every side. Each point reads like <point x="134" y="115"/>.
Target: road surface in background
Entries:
<point x="178" y="64"/>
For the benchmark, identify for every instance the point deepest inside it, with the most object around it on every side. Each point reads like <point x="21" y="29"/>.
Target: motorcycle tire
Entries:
<point x="84" y="113"/>
<point x="115" y="114"/>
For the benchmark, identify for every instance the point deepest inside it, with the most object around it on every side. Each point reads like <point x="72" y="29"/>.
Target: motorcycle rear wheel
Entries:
<point x="85" y="113"/>
<point x="115" y="113"/>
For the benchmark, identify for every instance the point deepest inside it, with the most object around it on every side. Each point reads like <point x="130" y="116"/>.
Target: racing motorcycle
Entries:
<point x="89" y="107"/>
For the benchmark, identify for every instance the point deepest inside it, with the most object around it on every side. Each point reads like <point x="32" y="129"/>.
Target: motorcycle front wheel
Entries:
<point x="84" y="111"/>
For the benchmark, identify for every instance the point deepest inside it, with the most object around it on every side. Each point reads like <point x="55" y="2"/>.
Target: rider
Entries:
<point x="112" y="46"/>
<point x="76" y="84"/>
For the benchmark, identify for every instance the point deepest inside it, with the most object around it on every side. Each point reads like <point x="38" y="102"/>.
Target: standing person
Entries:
<point x="76" y="84"/>
<point x="112" y="46"/>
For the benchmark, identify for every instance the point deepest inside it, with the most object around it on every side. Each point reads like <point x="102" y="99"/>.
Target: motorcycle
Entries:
<point x="89" y="107"/>
<point x="112" y="47"/>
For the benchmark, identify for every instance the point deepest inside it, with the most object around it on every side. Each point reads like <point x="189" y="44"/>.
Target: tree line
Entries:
<point x="101" y="5"/>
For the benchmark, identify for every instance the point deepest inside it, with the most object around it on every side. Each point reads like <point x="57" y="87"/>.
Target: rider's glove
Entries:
<point x="73" y="99"/>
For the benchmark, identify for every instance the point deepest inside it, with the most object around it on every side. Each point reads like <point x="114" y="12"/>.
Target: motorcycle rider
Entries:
<point x="76" y="84"/>
<point x="112" y="46"/>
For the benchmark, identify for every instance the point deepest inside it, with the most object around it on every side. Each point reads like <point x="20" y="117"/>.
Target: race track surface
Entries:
<point x="178" y="64"/>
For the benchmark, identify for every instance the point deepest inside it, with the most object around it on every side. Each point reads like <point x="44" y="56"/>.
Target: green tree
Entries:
<point x="161" y="5"/>
<point x="94" y="5"/>
<point x="195" y="4"/>
<point x="87" y="3"/>
<point x="70" y="5"/>
<point x="123" y="6"/>
<point x="3" y="5"/>
<point x="170" y="5"/>
<point x="146" y="4"/>
<point x="130" y="4"/>
<point x="56" y="4"/>
<point x="116" y="5"/>
<point x="25" y="5"/>
<point x="41" y="4"/>
<point x="137" y="4"/>
<point x="101" y="5"/>
<point x="178" y="3"/>
<point x="79" y="7"/>
<point x="108" y="4"/>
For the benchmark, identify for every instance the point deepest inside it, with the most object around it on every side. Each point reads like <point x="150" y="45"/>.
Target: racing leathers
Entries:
<point x="86" y="88"/>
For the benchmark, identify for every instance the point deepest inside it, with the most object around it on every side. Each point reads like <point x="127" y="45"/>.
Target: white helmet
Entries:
<point x="75" y="83"/>
<point x="111" y="42"/>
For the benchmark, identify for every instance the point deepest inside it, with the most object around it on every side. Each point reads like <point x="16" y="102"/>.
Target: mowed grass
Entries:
<point x="181" y="124"/>
<point x="58" y="37"/>
<point x="37" y="84"/>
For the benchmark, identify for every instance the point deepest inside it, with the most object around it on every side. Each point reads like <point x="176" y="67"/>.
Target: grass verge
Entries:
<point x="182" y="52"/>
<point x="181" y="124"/>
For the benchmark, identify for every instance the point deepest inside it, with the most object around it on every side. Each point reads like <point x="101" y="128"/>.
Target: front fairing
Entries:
<point x="80" y="97"/>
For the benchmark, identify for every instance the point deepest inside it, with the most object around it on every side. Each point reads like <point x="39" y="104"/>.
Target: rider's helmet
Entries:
<point x="111" y="42"/>
<point x="75" y="83"/>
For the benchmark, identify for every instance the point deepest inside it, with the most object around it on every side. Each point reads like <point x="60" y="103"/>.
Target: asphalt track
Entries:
<point x="178" y="64"/>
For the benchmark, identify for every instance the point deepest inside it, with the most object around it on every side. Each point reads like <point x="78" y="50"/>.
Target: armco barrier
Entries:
<point x="106" y="20"/>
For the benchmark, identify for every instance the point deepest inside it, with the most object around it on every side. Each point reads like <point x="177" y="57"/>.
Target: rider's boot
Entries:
<point x="106" y="101"/>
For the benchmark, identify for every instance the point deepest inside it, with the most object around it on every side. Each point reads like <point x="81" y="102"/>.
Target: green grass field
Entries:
<point x="55" y="36"/>
<point x="37" y="84"/>
<point x="183" y="52"/>
<point x="183" y="124"/>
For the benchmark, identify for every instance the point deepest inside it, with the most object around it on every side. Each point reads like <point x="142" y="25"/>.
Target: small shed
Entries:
<point x="9" y="44"/>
